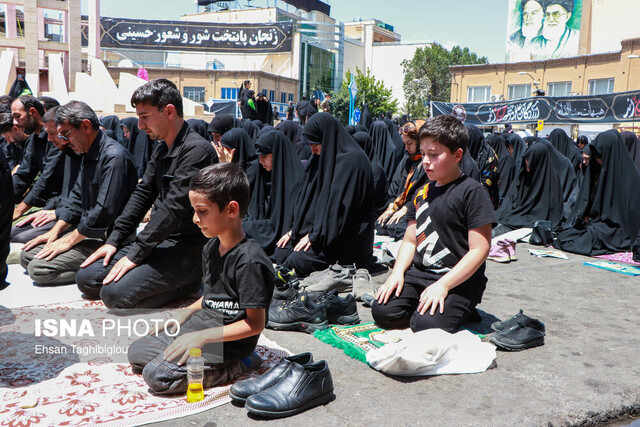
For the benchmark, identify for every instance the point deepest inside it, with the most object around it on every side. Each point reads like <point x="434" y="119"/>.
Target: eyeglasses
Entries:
<point x="555" y="15"/>
<point x="65" y="136"/>
<point x="407" y="130"/>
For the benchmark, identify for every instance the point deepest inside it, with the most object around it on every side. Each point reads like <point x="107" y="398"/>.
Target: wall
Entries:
<point x="612" y="21"/>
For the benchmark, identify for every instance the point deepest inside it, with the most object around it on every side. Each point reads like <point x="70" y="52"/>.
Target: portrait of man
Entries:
<point x="560" y="39"/>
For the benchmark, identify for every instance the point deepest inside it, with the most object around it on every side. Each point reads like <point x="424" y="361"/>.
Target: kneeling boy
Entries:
<point x="238" y="284"/>
<point x="438" y="277"/>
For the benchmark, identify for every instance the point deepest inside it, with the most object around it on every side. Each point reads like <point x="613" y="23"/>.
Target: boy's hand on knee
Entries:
<point x="119" y="269"/>
<point x="433" y="297"/>
<point x="395" y="282"/>
<point x="179" y="349"/>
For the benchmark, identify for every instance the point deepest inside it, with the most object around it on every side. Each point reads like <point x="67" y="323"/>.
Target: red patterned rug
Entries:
<point x="99" y="389"/>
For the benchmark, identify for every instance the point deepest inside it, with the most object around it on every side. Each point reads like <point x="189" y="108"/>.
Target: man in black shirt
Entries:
<point x="302" y="108"/>
<point x="13" y="141"/>
<point x="106" y="179"/>
<point x="39" y="156"/>
<point x="6" y="209"/>
<point x="163" y="262"/>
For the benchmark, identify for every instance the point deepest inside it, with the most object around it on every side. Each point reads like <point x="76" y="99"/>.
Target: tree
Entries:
<point x="427" y="76"/>
<point x="370" y="90"/>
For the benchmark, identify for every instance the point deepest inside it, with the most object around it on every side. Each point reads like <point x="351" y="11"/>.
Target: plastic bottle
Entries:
<point x="195" y="376"/>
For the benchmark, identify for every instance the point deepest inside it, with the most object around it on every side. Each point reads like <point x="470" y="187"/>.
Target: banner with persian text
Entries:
<point x="195" y="36"/>
<point x="609" y="108"/>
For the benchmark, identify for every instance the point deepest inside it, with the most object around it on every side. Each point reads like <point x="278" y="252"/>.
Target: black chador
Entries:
<point x="380" y="186"/>
<point x="222" y="123"/>
<point x="566" y="174"/>
<point x="536" y="193"/>
<point x="605" y="216"/>
<point x="293" y="131"/>
<point x="506" y="165"/>
<point x="239" y="140"/>
<point x="566" y="147"/>
<point x="139" y="145"/>
<point x="384" y="147"/>
<point x="270" y="212"/>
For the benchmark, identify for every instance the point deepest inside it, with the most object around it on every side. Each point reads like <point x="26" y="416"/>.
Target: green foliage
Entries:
<point x="427" y="76"/>
<point x="370" y="90"/>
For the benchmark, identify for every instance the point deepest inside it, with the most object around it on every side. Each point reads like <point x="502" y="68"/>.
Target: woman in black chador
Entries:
<point x="536" y="193"/>
<point x="566" y="175"/>
<point x="270" y="212"/>
<point x="408" y="178"/>
<point x="605" y="216"/>
<point x="380" y="186"/>
<point x="561" y="141"/>
<point x="506" y="165"/>
<point x="139" y="144"/>
<point x="221" y="124"/>
<point x="238" y="147"/>
<point x="333" y="217"/>
<point x="486" y="160"/>
<point x="293" y="131"/>
<point x="384" y="147"/>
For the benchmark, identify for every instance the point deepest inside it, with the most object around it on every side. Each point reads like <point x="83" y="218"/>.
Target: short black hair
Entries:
<point x="29" y="101"/>
<point x="48" y="102"/>
<point x="6" y="122"/>
<point x="6" y="100"/>
<point x="50" y="115"/>
<point x="75" y="112"/>
<point x="447" y="130"/>
<point x="158" y="93"/>
<point x="223" y="183"/>
<point x="303" y="97"/>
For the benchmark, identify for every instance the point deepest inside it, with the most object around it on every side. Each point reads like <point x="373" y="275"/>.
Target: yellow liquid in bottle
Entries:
<point x="195" y="393"/>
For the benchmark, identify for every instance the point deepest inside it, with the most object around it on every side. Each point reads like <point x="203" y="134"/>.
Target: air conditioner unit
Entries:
<point x="497" y="98"/>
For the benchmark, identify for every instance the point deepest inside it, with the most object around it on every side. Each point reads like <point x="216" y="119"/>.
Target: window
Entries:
<point x="194" y="93"/>
<point x="283" y="97"/>
<point x="272" y="95"/>
<point x="559" y="89"/>
<point x="291" y="97"/>
<point x="600" y="86"/>
<point x="519" y="91"/>
<point x="478" y="93"/>
<point x="229" y="93"/>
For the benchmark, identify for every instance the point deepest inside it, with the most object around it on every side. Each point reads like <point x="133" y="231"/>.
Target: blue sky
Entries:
<point x="480" y="25"/>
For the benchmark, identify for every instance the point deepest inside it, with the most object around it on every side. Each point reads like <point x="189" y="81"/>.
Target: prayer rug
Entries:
<point x="357" y="340"/>
<point x="626" y="257"/>
<point x="57" y="390"/>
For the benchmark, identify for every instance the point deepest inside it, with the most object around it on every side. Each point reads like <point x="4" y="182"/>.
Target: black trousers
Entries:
<point x="400" y="312"/>
<point x="29" y="232"/>
<point x="171" y="272"/>
<point x="6" y="215"/>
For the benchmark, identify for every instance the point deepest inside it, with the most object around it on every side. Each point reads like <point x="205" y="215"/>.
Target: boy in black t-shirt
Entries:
<point x="438" y="277"/>
<point x="238" y="284"/>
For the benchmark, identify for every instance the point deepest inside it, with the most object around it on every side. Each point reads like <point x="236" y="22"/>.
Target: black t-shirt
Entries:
<point x="241" y="279"/>
<point x="444" y="215"/>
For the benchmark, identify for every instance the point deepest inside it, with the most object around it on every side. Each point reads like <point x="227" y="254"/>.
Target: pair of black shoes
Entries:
<point x="310" y="311"/>
<point x="295" y="384"/>
<point x="518" y="333"/>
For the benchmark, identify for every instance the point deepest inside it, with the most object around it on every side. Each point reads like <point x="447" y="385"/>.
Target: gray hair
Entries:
<point x="75" y="112"/>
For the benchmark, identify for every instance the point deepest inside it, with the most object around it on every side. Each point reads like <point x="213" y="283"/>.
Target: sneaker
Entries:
<point x="518" y="337"/>
<point x="317" y="276"/>
<point x="519" y="318"/>
<point x="300" y="314"/>
<point x="499" y="253"/>
<point x="342" y="281"/>
<point x="285" y="275"/>
<point x="340" y="310"/>
<point x="282" y="294"/>
<point x="362" y="282"/>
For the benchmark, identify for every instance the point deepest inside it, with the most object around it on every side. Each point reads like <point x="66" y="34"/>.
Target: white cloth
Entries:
<point x="434" y="352"/>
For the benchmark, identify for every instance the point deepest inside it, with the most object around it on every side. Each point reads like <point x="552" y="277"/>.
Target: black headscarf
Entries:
<point x="561" y="141"/>
<point x="248" y="113"/>
<point x="200" y="126"/>
<point x="238" y="139"/>
<point x="404" y="119"/>
<point x="351" y="129"/>
<point x="384" y="147"/>
<point x="19" y="87"/>
<point x="469" y="167"/>
<point x="630" y="140"/>
<point x="395" y="136"/>
<point x="380" y="185"/>
<point x="293" y="131"/>
<point x="611" y="203"/>
<point x="139" y="144"/>
<point x="506" y="165"/>
<point x="270" y="212"/>
<point x="365" y="118"/>
<point x="518" y="146"/>
<point x="534" y="195"/>
<point x="530" y="140"/>
<point x="251" y="128"/>
<point x="264" y="110"/>
<point x="564" y="169"/>
<point x="258" y="123"/>
<point x="113" y="124"/>
<point x="335" y="206"/>
<point x="264" y="129"/>
<point x="222" y="123"/>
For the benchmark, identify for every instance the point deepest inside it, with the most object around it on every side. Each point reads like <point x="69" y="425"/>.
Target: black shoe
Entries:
<point x="301" y="388"/>
<point x="518" y="318"/>
<point x="283" y="292"/>
<point x="340" y="310"/>
<point x="242" y="390"/>
<point x="518" y="337"/>
<point x="300" y="314"/>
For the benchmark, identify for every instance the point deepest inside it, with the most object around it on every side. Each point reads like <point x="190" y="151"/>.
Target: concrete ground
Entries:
<point x="587" y="373"/>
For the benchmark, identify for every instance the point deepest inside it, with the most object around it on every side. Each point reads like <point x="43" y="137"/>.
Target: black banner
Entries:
<point x="195" y="36"/>
<point x="610" y="108"/>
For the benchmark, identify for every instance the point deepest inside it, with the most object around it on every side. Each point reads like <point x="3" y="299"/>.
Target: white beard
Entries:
<point x="553" y="32"/>
<point x="530" y="31"/>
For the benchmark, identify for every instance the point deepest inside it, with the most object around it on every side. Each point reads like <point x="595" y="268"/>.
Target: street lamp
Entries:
<point x="535" y="83"/>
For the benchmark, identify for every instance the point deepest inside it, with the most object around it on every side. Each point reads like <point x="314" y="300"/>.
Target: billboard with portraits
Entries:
<point x="543" y="29"/>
